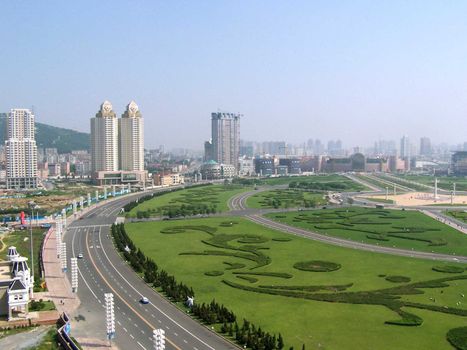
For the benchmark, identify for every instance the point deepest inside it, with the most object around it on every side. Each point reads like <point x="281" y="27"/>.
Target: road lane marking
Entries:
<point x="150" y="303"/>
<point x="120" y="297"/>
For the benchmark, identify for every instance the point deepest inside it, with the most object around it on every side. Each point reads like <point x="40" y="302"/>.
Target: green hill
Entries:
<point x="47" y="136"/>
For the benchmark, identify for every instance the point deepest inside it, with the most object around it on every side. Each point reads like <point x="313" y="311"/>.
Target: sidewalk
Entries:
<point x="58" y="286"/>
<point x="446" y="220"/>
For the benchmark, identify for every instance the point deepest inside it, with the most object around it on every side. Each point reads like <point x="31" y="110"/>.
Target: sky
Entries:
<point x="354" y="70"/>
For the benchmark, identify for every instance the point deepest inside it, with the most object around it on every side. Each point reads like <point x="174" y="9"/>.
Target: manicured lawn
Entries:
<point x="213" y="197"/>
<point x="378" y="183"/>
<point x="20" y="239"/>
<point x="392" y="228"/>
<point x="444" y="182"/>
<point x="400" y="181"/>
<point x="343" y="309"/>
<point x="458" y="214"/>
<point x="285" y="199"/>
<point x="45" y="305"/>
<point x="380" y="200"/>
<point x="331" y="182"/>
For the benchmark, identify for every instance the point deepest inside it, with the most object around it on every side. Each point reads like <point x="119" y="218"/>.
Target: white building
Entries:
<point x="16" y="285"/>
<point x="131" y="139"/>
<point x="225" y="128"/>
<point x="21" y="150"/>
<point x="246" y="166"/>
<point x="104" y="140"/>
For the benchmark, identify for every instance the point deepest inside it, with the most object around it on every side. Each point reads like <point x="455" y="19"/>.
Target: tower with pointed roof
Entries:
<point x="104" y="139"/>
<point x="131" y="139"/>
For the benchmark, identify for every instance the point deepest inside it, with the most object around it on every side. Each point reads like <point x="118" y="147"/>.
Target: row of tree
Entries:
<point x="213" y="313"/>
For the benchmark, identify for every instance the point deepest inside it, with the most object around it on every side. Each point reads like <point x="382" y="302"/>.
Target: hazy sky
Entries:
<point x="355" y="70"/>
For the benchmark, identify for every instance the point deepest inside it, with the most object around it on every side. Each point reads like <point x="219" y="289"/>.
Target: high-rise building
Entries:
<point x="131" y="139"/>
<point x="21" y="150"/>
<point x="225" y="137"/>
<point x="104" y="139"/>
<point x="405" y="147"/>
<point x="425" y="146"/>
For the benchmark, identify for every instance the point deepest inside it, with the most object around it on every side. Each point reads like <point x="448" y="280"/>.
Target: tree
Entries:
<point x="280" y="342"/>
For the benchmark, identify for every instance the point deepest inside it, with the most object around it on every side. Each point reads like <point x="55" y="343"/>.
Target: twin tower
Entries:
<point x="117" y="144"/>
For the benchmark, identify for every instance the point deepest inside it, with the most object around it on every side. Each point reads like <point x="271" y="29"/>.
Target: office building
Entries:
<point x="425" y="146"/>
<point x="225" y="128"/>
<point x="459" y="163"/>
<point x="264" y="166"/>
<point x="21" y="150"/>
<point x="104" y="139"/>
<point x="405" y="147"/>
<point x="131" y="139"/>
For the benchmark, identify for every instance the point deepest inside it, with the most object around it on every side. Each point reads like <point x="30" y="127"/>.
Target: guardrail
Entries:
<point x="62" y="333"/>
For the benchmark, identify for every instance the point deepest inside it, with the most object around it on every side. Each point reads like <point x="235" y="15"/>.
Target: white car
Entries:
<point x="144" y="300"/>
<point x="80" y="256"/>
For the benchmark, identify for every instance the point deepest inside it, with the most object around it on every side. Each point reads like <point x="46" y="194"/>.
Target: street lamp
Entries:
<point x="32" y="205"/>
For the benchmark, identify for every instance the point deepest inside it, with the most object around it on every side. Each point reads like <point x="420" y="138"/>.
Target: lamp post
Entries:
<point x="32" y="206"/>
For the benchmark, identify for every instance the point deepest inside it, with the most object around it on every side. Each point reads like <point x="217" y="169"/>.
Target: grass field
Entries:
<point x="380" y="200"/>
<point x="378" y="183"/>
<point x="331" y="182"/>
<point x="212" y="198"/>
<point x="400" y="181"/>
<point x="392" y="228"/>
<point x="444" y="182"/>
<point x="458" y="214"/>
<point x="285" y="199"/>
<point x="20" y="239"/>
<point x="344" y="309"/>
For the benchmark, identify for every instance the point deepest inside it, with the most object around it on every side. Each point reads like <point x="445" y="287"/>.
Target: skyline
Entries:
<point x="332" y="71"/>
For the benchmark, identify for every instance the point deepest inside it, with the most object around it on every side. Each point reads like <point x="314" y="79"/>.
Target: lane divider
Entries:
<point x="120" y="297"/>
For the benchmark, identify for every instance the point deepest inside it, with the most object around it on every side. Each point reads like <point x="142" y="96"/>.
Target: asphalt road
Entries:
<point x="103" y="271"/>
<point x="238" y="202"/>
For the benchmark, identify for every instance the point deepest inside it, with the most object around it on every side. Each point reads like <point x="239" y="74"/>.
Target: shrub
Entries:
<point x="317" y="266"/>
<point x="214" y="273"/>
<point x="458" y="337"/>
<point x="448" y="269"/>
<point x="397" y="279"/>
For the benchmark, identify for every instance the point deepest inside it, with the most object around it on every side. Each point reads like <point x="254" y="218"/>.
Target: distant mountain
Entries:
<point x="47" y="136"/>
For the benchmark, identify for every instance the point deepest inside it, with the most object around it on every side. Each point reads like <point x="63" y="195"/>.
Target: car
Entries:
<point x="80" y="256"/>
<point x="144" y="300"/>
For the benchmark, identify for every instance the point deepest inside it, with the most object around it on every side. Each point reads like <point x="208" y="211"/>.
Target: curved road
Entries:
<point x="238" y="202"/>
<point x="102" y="271"/>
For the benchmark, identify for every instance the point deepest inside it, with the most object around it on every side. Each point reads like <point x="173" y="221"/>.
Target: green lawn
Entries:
<point x="392" y="228"/>
<point x="285" y="199"/>
<point x="20" y="239"/>
<point x="444" y="182"/>
<point x="212" y="197"/>
<point x="378" y="183"/>
<point x="343" y="309"/>
<point x="380" y="200"/>
<point x="401" y="182"/>
<point x="458" y="214"/>
<point x="331" y="182"/>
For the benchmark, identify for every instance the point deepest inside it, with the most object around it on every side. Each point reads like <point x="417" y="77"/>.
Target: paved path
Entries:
<point x="102" y="270"/>
<point x="24" y="340"/>
<point x="238" y="202"/>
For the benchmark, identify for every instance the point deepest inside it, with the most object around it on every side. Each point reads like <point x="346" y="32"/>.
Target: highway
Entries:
<point x="102" y="271"/>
